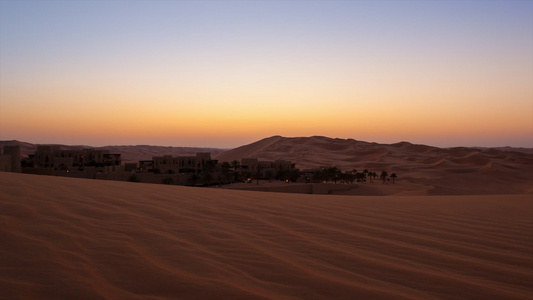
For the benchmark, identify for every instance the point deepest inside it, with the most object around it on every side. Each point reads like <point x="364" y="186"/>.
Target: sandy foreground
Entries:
<point x="68" y="238"/>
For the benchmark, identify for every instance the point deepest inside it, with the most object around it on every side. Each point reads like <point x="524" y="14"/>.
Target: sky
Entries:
<point x="227" y="73"/>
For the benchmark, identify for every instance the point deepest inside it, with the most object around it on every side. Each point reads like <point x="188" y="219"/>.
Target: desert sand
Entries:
<point x="421" y="169"/>
<point x="68" y="238"/>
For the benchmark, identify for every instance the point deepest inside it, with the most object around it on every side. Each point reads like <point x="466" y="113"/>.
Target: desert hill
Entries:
<point x="129" y="153"/>
<point x="430" y="170"/>
<point x="71" y="238"/>
<point x="421" y="169"/>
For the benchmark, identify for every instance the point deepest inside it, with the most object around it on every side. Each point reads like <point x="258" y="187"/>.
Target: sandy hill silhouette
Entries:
<point x="457" y="170"/>
<point x="421" y="169"/>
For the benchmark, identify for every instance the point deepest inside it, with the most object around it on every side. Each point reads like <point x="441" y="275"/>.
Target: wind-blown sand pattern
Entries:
<point x="67" y="238"/>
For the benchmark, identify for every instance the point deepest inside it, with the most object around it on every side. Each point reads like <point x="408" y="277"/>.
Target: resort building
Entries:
<point x="265" y="168"/>
<point x="198" y="169"/>
<point x="50" y="156"/>
<point x="179" y="164"/>
<point x="10" y="159"/>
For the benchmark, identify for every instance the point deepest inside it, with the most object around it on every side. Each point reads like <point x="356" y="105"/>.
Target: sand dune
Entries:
<point x="458" y="170"/>
<point x="66" y="238"/>
<point x="421" y="169"/>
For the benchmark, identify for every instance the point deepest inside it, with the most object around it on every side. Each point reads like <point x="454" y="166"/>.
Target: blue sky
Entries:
<point x="224" y="73"/>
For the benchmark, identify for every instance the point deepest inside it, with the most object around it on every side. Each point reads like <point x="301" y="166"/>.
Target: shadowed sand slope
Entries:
<point x="66" y="238"/>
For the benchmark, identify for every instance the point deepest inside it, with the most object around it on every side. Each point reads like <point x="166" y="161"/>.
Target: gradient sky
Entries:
<point x="227" y="73"/>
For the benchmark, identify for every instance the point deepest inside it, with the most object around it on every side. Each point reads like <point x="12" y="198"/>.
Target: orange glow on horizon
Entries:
<point x="225" y="79"/>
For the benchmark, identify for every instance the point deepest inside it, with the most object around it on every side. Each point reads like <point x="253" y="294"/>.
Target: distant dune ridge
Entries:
<point x="69" y="238"/>
<point x="421" y="169"/>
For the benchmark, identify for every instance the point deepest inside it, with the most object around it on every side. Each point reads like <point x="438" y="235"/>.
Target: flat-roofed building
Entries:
<point x="10" y="159"/>
<point x="51" y="156"/>
<point x="254" y="166"/>
<point x="180" y="164"/>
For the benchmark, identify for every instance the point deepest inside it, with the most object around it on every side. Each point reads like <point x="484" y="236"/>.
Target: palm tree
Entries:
<point x="343" y="178"/>
<point x="350" y="178"/>
<point x="318" y="176"/>
<point x="371" y="175"/>
<point x="333" y="174"/>
<point x="384" y="175"/>
<point x="236" y="164"/>
<point x="360" y="177"/>
<point x="393" y="176"/>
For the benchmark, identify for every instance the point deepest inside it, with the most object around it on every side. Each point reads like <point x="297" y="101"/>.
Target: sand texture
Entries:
<point x="68" y="238"/>
<point x="421" y="169"/>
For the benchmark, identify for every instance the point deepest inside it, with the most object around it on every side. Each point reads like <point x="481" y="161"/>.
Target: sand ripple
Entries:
<point x="64" y="238"/>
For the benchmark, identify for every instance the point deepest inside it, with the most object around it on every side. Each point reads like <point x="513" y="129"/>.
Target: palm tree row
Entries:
<point x="334" y="174"/>
<point x="232" y="172"/>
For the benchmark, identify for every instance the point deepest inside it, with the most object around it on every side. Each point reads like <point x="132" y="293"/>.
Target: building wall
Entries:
<point x="51" y="156"/>
<point x="63" y="162"/>
<point x="253" y="165"/>
<point x="128" y="167"/>
<point x="5" y="163"/>
<point x="44" y="156"/>
<point x="169" y="164"/>
<point x="14" y="153"/>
